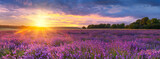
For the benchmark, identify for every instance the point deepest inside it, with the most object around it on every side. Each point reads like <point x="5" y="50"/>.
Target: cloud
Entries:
<point x="3" y="9"/>
<point x="86" y="7"/>
<point x="58" y="19"/>
<point x="83" y="12"/>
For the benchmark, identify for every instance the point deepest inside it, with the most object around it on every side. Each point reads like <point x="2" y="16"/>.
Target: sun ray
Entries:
<point x="39" y="28"/>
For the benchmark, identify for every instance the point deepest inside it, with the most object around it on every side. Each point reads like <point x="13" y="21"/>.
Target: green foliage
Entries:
<point x="154" y="21"/>
<point x="138" y="21"/>
<point x="158" y="39"/>
<point x="106" y="26"/>
<point x="83" y="27"/>
<point x="149" y="22"/>
<point x="122" y="25"/>
<point x="134" y="26"/>
<point x="144" y="23"/>
<point x="4" y="52"/>
<point x="114" y="26"/>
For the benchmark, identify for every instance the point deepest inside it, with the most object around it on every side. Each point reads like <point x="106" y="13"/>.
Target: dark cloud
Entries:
<point x="150" y="2"/>
<point x="135" y="8"/>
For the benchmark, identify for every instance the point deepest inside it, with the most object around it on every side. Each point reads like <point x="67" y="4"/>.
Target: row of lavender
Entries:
<point x="81" y="44"/>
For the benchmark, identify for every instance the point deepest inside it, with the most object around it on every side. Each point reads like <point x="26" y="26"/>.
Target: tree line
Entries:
<point x="144" y="23"/>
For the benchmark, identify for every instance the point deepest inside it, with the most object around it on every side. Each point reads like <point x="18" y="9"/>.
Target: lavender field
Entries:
<point x="80" y="44"/>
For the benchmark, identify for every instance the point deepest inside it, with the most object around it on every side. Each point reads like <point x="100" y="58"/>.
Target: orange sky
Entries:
<point x="75" y="13"/>
<point x="46" y="18"/>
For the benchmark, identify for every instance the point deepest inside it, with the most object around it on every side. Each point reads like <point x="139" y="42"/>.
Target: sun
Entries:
<point x="40" y="19"/>
<point x="40" y="24"/>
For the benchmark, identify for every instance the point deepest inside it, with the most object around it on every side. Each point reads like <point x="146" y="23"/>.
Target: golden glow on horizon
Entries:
<point x="46" y="18"/>
<point x="40" y="19"/>
<point x="36" y="33"/>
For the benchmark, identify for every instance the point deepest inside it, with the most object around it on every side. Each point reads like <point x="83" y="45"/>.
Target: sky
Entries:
<point x="75" y="13"/>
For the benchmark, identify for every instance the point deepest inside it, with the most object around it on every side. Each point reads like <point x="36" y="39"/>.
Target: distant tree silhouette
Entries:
<point x="91" y="26"/>
<point x="121" y="25"/>
<point x="144" y="23"/>
<point x="84" y="27"/>
<point x="154" y="21"/>
<point x="108" y="25"/>
<point x="133" y="25"/>
<point x="114" y="26"/>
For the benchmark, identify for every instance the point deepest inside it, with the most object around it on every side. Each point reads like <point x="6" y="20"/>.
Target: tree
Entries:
<point x="154" y="21"/>
<point x="122" y="25"/>
<point x="118" y="26"/>
<point x="127" y="26"/>
<point x="155" y="26"/>
<point x="138" y="21"/>
<point x="83" y="27"/>
<point x="144" y="21"/>
<point x="114" y="26"/>
<point x="108" y="25"/>
<point x="149" y="22"/>
<point x="134" y="26"/>
<point x="102" y="26"/>
<point x="91" y="26"/>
